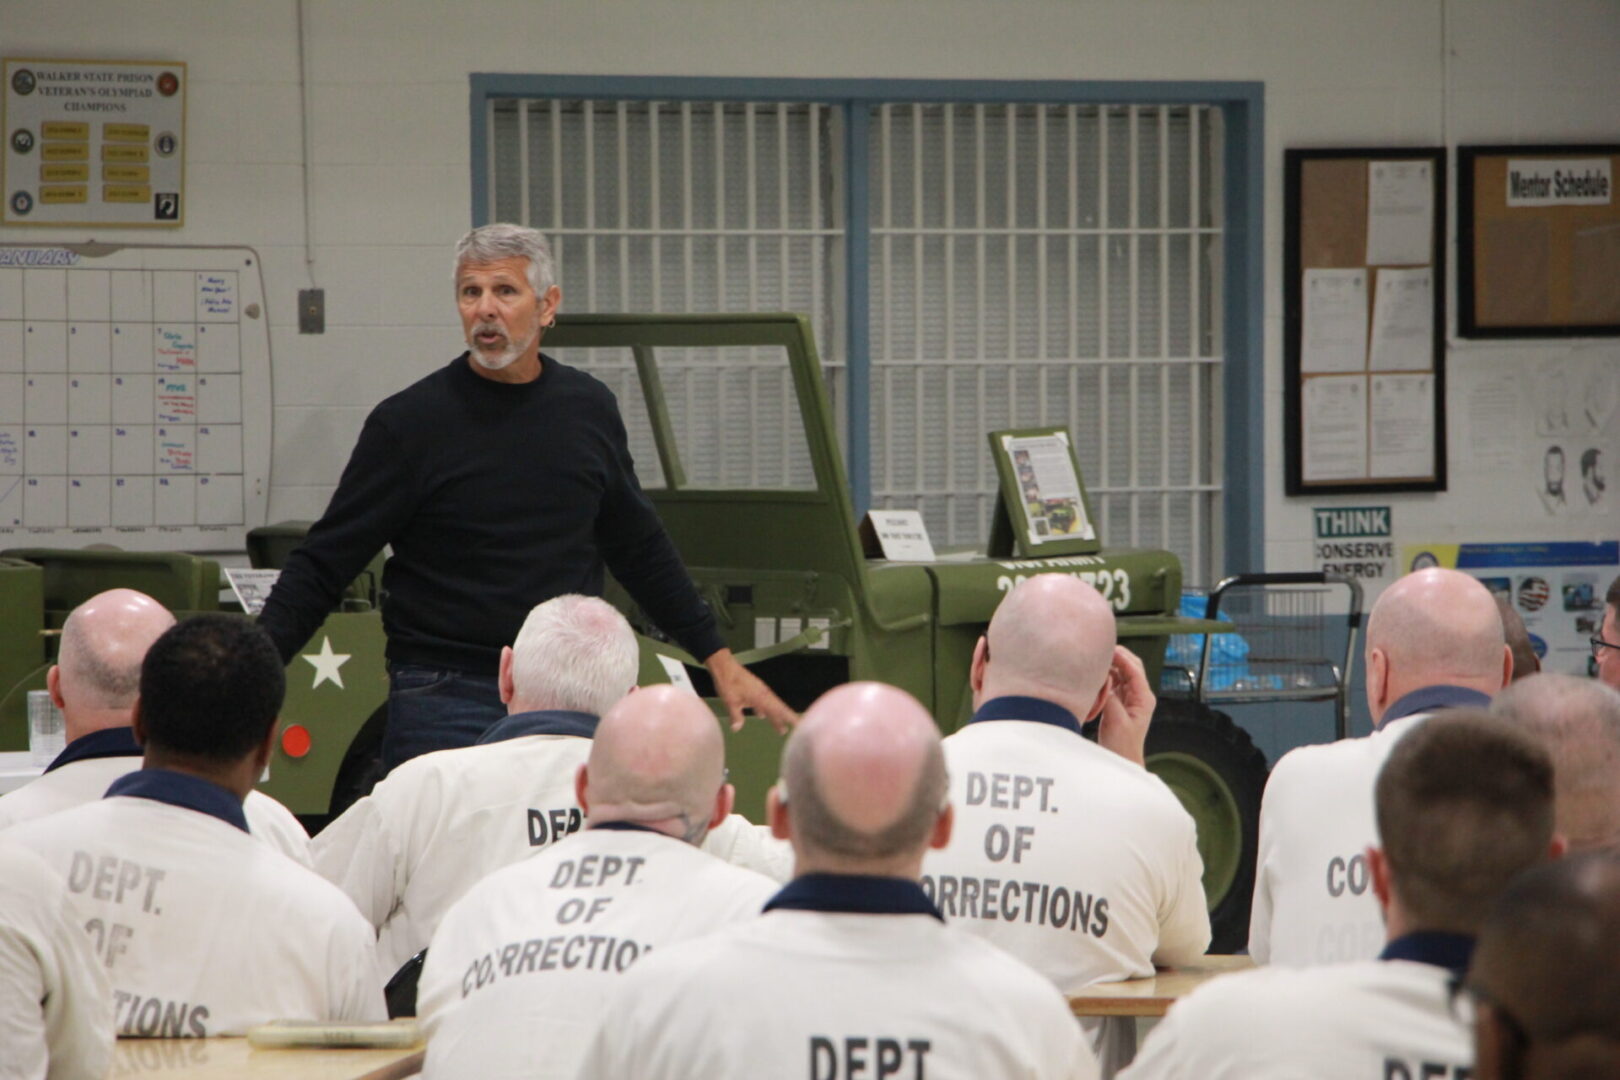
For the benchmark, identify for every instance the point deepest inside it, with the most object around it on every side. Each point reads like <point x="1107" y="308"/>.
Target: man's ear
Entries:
<point x="1377" y="682"/>
<point x="581" y="782"/>
<point x="776" y="813"/>
<point x="941" y="836"/>
<point x="550" y="301"/>
<point x="1102" y="700"/>
<point x="981" y="658"/>
<point x="137" y="723"/>
<point x="1559" y="847"/>
<point x="1507" y="665"/>
<point x="504" y="677"/>
<point x="53" y="684"/>
<point x="261" y="756"/>
<point x="1378" y="871"/>
<point x="724" y="800"/>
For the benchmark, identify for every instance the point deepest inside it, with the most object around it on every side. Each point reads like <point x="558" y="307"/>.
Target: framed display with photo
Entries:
<point x="1042" y="508"/>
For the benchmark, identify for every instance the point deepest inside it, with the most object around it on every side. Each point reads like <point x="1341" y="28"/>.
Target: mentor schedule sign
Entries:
<point x="92" y="142"/>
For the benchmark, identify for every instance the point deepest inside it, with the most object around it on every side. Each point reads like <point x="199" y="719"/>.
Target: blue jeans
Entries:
<point x="436" y="709"/>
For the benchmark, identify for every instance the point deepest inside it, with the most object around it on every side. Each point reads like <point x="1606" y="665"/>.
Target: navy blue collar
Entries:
<point x="179" y="789"/>
<point x="542" y="722"/>
<point x="857" y="894"/>
<point x="1430" y="698"/>
<point x="1437" y="947"/>
<point x="1039" y="710"/>
<point x="108" y="742"/>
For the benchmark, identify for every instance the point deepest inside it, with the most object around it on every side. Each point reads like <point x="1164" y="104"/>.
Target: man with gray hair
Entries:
<point x="441" y="821"/>
<point x="500" y="480"/>
<point x="1435" y="641"/>
<point x="520" y="966"/>
<point x="1578" y="720"/>
<point x="852" y="970"/>
<point x="95" y="681"/>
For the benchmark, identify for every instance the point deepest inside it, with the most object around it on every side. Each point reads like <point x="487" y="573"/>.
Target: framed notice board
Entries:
<point x="1042" y="507"/>
<point x="1364" y="320"/>
<point x="1539" y="250"/>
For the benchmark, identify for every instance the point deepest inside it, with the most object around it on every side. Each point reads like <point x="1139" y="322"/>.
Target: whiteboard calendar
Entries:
<point x="134" y="397"/>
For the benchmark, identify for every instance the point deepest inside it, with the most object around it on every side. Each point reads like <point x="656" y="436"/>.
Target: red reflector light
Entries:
<point x="295" y="740"/>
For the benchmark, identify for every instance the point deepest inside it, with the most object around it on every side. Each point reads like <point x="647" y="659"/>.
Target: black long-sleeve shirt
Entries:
<point x="495" y="497"/>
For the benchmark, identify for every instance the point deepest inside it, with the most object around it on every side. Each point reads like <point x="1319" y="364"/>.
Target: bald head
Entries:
<point x="98" y="665"/>
<point x="1052" y="637"/>
<point x="1430" y="628"/>
<point x="1546" y="958"/>
<point x="863" y="777"/>
<point x="658" y="759"/>
<point x="1578" y="721"/>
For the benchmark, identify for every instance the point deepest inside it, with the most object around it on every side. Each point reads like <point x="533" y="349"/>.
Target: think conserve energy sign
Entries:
<point x="1355" y="541"/>
<point x="93" y="142"/>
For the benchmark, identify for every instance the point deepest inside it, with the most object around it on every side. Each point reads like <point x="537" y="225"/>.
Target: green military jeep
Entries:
<point x="763" y="518"/>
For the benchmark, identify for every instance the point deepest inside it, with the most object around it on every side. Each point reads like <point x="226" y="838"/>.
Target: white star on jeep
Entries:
<point x="326" y="664"/>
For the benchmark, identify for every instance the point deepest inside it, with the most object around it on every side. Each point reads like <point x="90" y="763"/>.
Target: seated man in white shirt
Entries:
<point x="520" y="966"/>
<point x="56" y="1018"/>
<point x="442" y="821"/>
<point x="1578" y="721"/>
<point x="1545" y="983"/>
<point x="94" y="682"/>
<point x="1434" y="641"/>
<point x="1068" y="854"/>
<point x="851" y="971"/>
<point x="1465" y="804"/>
<point x="203" y="929"/>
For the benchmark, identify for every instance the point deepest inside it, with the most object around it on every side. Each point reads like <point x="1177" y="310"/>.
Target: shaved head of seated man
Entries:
<point x="1578" y="720"/>
<point x="1435" y="641"/>
<point x="1545" y="981"/>
<point x="443" y="820"/>
<point x="203" y="929"/>
<point x="95" y="681"/>
<point x="1465" y="804"/>
<point x="851" y="968"/>
<point x="521" y="965"/>
<point x="1099" y="877"/>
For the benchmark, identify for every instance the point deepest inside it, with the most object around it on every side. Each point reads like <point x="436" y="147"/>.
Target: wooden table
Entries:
<point x="1154" y="995"/>
<point x="227" y="1059"/>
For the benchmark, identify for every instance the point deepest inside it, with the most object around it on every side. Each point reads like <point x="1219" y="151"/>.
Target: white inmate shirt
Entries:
<point x="441" y="822"/>
<point x="1364" y="1020"/>
<point x="56" y="1017"/>
<point x="1078" y="862"/>
<point x="1313" y="898"/>
<point x="814" y="989"/>
<point x="203" y="929"/>
<point x="84" y="771"/>
<point x="520" y="966"/>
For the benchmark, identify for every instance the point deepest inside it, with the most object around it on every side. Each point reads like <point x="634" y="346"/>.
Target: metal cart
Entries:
<point x="1283" y="645"/>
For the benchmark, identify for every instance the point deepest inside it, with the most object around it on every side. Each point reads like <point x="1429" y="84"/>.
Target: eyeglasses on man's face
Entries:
<point x="1598" y="645"/>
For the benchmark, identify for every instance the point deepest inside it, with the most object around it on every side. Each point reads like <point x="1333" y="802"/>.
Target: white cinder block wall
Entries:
<point x="390" y="178"/>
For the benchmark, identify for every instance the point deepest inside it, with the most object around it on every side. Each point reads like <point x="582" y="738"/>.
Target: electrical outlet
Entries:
<point x="312" y="311"/>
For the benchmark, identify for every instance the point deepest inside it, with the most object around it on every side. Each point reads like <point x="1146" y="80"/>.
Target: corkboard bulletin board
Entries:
<point x="1549" y="267"/>
<point x="1327" y="235"/>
